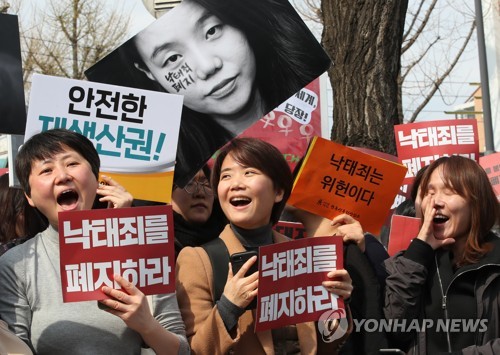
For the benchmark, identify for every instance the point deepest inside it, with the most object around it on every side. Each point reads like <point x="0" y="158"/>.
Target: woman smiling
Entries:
<point x="253" y="182"/>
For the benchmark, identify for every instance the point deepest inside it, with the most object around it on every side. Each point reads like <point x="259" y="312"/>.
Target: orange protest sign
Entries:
<point x="336" y="179"/>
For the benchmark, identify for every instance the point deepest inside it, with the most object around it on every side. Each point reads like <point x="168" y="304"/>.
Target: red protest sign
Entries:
<point x="137" y="243"/>
<point x="403" y="230"/>
<point x="293" y="230"/>
<point x="290" y="277"/>
<point x="292" y="125"/>
<point x="419" y="144"/>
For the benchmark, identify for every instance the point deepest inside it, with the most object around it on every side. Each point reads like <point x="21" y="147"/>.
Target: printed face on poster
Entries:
<point x="233" y="62"/>
<point x="134" y="147"/>
<point x="12" y="105"/>
<point x="137" y="243"/>
<point x="290" y="281"/>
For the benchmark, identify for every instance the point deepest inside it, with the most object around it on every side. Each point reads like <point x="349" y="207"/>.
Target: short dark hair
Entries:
<point x="46" y="144"/>
<point x="261" y="155"/>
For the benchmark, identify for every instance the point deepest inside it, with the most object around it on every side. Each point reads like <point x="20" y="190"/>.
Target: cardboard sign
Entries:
<point x="221" y="105"/>
<point x="403" y="230"/>
<point x="137" y="243"/>
<point x="491" y="164"/>
<point x="335" y="179"/>
<point x="135" y="147"/>
<point x="290" y="277"/>
<point x="419" y="144"/>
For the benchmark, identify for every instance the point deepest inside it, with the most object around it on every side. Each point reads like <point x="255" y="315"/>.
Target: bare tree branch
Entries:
<point x="439" y="81"/>
<point x="420" y="28"/>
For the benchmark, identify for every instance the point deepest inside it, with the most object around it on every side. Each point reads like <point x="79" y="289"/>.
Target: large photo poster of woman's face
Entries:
<point x="12" y="106"/>
<point x="233" y="61"/>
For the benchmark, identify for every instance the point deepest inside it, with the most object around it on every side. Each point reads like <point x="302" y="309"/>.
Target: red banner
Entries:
<point x="137" y="243"/>
<point x="290" y="277"/>
<point x="292" y="125"/>
<point x="419" y="144"/>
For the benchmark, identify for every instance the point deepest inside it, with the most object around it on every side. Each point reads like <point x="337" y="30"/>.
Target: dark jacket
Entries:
<point x="407" y="287"/>
<point x="365" y="303"/>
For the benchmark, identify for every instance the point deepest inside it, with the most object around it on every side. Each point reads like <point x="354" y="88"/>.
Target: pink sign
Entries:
<point x="290" y="277"/>
<point x="419" y="144"/>
<point x="291" y="126"/>
<point x="491" y="164"/>
<point x="137" y="243"/>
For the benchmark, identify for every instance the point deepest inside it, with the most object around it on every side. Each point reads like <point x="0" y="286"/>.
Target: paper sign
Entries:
<point x="221" y="104"/>
<point x="403" y="230"/>
<point x="121" y="122"/>
<point x="491" y="164"/>
<point x="419" y="144"/>
<point x="136" y="242"/>
<point x="335" y="179"/>
<point x="290" y="277"/>
<point x="300" y="106"/>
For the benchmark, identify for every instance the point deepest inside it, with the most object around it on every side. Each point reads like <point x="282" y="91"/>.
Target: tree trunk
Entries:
<point x="363" y="39"/>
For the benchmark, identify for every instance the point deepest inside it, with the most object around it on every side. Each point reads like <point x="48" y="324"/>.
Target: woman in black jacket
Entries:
<point x="449" y="277"/>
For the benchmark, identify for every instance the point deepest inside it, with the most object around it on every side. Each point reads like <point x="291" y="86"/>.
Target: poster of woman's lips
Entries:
<point x="12" y="106"/>
<point x="120" y="68"/>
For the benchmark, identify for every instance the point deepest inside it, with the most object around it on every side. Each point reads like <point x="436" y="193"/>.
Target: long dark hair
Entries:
<point x="287" y="56"/>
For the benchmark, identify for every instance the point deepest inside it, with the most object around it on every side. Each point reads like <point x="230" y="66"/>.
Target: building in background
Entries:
<point x="473" y="108"/>
<point x="159" y="7"/>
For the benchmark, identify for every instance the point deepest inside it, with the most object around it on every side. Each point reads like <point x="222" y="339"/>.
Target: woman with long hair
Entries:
<point x="448" y="278"/>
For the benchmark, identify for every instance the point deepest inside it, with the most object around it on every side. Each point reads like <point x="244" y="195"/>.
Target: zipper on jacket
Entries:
<point x="443" y="303"/>
<point x="444" y="294"/>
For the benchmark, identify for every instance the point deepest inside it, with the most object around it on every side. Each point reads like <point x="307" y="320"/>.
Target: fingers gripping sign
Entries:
<point x="350" y="229"/>
<point x="339" y="282"/>
<point x="129" y="304"/>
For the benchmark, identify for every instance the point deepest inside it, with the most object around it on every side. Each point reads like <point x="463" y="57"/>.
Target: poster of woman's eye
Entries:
<point x="12" y="106"/>
<point x="232" y="60"/>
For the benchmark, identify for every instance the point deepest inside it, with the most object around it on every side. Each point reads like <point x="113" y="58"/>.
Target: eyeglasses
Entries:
<point x="193" y="187"/>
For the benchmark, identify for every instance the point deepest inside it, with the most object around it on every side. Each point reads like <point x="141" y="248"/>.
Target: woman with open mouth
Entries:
<point x="449" y="277"/>
<point x="58" y="170"/>
<point x="252" y="181"/>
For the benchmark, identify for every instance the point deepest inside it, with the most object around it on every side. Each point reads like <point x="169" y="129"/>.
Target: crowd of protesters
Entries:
<point x="450" y="271"/>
